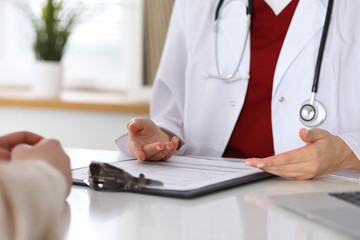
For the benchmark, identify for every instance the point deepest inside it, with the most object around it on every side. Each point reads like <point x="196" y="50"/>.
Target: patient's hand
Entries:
<point x="9" y="141"/>
<point x="47" y="150"/>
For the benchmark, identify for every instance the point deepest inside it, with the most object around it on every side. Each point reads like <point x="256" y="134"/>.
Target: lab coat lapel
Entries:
<point x="308" y="19"/>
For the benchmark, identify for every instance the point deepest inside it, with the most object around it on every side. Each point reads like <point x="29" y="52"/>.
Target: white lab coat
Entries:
<point x="203" y="112"/>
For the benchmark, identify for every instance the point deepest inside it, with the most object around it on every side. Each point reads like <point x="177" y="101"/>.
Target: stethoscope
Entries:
<point x="312" y="111"/>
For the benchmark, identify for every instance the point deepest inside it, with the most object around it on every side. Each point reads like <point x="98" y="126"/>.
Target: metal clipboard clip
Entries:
<point x="105" y="177"/>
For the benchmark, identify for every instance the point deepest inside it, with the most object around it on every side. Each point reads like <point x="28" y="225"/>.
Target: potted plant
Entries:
<point x="52" y="29"/>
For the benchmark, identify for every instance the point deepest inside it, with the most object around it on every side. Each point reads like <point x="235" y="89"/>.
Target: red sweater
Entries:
<point x="252" y="135"/>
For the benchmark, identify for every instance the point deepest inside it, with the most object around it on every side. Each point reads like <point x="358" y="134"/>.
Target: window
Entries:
<point x="105" y="50"/>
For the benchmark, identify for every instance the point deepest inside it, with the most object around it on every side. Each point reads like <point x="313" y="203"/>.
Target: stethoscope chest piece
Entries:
<point x="313" y="114"/>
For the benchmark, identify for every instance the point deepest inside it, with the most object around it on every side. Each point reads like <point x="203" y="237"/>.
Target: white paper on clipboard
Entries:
<point x="347" y="174"/>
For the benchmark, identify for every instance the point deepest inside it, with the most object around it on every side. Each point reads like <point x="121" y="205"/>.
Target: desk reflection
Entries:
<point x="282" y="224"/>
<point x="286" y="225"/>
<point x="137" y="216"/>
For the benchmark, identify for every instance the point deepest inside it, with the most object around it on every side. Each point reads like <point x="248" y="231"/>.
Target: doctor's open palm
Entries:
<point x="323" y="153"/>
<point x="146" y="141"/>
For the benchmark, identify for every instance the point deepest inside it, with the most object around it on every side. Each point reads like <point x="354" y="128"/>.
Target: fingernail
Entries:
<point x="260" y="165"/>
<point x="129" y="124"/>
<point x="176" y="140"/>
<point x="168" y="147"/>
<point x="249" y="163"/>
<point x="159" y="148"/>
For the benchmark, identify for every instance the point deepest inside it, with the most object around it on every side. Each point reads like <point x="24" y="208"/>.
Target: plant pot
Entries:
<point x="47" y="79"/>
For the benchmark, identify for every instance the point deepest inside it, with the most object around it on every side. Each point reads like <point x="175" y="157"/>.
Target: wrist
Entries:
<point x="350" y="161"/>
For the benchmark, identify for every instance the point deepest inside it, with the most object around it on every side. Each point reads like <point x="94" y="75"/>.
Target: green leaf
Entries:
<point x="51" y="32"/>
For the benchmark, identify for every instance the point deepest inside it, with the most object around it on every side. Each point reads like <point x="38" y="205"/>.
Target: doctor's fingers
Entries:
<point x="136" y="150"/>
<point x="175" y="141"/>
<point x="291" y="157"/>
<point x="298" y="171"/>
<point x="169" y="149"/>
<point x="160" y="155"/>
<point x="152" y="150"/>
<point x="161" y="151"/>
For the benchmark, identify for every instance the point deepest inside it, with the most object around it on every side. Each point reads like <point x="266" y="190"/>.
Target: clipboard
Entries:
<point x="179" y="177"/>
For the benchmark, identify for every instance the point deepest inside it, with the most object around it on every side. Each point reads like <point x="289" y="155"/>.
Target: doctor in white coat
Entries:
<point x="194" y="114"/>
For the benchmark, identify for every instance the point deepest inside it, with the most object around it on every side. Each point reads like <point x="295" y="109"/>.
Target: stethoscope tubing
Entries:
<point x="317" y="107"/>
<point x="249" y="9"/>
<point x="322" y="47"/>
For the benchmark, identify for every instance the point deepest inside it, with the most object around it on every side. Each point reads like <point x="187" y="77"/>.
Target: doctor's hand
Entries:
<point x="9" y="141"/>
<point x="322" y="154"/>
<point x="146" y="141"/>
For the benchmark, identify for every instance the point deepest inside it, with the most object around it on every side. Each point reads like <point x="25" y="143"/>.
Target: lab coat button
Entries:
<point x="232" y="103"/>
<point x="281" y="99"/>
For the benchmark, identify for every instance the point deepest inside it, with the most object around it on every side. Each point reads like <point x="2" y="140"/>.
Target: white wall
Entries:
<point x="75" y="129"/>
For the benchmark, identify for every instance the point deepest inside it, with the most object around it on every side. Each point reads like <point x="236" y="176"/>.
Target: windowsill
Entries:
<point x="84" y="100"/>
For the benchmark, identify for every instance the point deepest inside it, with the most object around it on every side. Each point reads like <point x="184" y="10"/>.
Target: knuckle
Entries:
<point x="54" y="142"/>
<point x="21" y="147"/>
